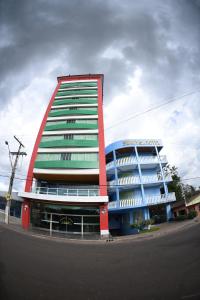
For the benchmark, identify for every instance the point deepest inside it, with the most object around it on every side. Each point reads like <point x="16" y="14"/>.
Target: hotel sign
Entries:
<point x="143" y="142"/>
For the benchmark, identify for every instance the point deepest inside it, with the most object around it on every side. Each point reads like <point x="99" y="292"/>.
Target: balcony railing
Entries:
<point x="137" y="202"/>
<point x="130" y="160"/>
<point x="129" y="180"/>
<point x="66" y="191"/>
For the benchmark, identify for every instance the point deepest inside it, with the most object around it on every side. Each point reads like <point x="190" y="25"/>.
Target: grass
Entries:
<point x="149" y="230"/>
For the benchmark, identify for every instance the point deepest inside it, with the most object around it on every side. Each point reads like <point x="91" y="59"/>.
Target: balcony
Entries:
<point x="137" y="202"/>
<point x="132" y="180"/>
<point x="130" y="160"/>
<point x="66" y="191"/>
<point x="73" y="194"/>
<point x="163" y="198"/>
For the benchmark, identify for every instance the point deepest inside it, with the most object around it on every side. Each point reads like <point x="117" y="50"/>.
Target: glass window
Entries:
<point x="67" y="156"/>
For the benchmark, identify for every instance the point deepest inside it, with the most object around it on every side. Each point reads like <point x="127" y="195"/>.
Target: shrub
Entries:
<point x="192" y="214"/>
<point x="141" y="224"/>
<point x="181" y="218"/>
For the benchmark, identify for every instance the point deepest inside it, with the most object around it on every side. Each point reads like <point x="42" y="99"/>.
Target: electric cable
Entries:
<point x="153" y="108"/>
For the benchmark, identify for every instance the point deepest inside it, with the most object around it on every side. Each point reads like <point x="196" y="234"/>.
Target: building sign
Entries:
<point x="143" y="142"/>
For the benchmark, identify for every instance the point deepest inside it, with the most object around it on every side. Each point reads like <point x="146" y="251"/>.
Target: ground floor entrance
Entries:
<point x="64" y="220"/>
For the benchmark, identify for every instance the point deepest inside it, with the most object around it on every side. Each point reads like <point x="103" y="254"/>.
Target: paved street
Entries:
<point x="167" y="267"/>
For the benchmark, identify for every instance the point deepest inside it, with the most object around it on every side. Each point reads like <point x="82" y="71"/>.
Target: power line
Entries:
<point x="153" y="108"/>
<point x="27" y="179"/>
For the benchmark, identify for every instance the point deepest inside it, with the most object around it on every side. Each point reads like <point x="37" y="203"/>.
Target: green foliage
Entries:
<point x="180" y="218"/>
<point x="192" y="214"/>
<point x="141" y="224"/>
<point x="150" y="230"/>
<point x="182" y="191"/>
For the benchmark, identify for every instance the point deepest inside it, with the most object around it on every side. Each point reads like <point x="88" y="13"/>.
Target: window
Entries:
<point x="70" y="121"/>
<point x="66" y="156"/>
<point x="68" y="136"/>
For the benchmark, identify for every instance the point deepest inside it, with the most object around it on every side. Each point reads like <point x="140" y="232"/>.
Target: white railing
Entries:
<point x="66" y="191"/>
<point x="150" y="200"/>
<point x="125" y="181"/>
<point x="130" y="202"/>
<point x="136" y="180"/>
<point x="130" y="160"/>
<point x="163" y="198"/>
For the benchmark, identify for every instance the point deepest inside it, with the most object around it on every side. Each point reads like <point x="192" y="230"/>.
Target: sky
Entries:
<point x="148" y="51"/>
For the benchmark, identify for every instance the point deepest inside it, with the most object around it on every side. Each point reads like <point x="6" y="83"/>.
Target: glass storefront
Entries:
<point x="64" y="219"/>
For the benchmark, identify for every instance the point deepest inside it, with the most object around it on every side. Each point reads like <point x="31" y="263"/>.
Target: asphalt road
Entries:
<point x="167" y="267"/>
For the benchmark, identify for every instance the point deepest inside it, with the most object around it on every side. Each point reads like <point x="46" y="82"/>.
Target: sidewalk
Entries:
<point x="165" y="229"/>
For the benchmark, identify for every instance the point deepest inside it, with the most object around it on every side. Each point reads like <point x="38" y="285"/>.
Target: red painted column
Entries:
<point x="104" y="227"/>
<point x="29" y="179"/>
<point x="102" y="160"/>
<point x="104" y="220"/>
<point x="26" y="214"/>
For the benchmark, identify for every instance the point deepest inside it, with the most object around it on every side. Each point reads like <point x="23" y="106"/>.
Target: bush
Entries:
<point x="181" y="218"/>
<point x="192" y="214"/>
<point x="142" y="224"/>
<point x="159" y="219"/>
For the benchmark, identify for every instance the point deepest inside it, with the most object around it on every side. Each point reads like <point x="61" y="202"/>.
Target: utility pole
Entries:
<point x="13" y="169"/>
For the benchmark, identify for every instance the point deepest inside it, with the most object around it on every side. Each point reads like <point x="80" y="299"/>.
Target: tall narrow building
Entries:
<point x="66" y="183"/>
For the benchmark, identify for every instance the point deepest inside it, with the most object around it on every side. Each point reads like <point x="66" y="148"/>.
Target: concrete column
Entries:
<point x="146" y="213"/>
<point x="168" y="211"/>
<point x="140" y="175"/>
<point x="131" y="216"/>
<point x="116" y="178"/>
<point x="161" y="170"/>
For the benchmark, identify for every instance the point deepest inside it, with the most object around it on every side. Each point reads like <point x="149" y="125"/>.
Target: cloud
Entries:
<point x="148" y="51"/>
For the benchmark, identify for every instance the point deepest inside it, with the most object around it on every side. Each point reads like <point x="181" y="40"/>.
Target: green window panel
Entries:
<point x="48" y="156"/>
<point x="64" y="164"/>
<point x="78" y="84"/>
<point x="73" y="108"/>
<point x="71" y="112"/>
<point x="75" y="101"/>
<point x="73" y="121"/>
<point x="71" y="126"/>
<point x="81" y="156"/>
<point x="89" y="137"/>
<point x="77" y="92"/>
<point x="52" y="138"/>
<point x="69" y="143"/>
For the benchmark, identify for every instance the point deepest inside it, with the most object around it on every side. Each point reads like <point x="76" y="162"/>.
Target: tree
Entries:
<point x="175" y="185"/>
<point x="182" y="191"/>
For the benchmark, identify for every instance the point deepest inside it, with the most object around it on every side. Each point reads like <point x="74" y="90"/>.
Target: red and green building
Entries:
<point x="65" y="188"/>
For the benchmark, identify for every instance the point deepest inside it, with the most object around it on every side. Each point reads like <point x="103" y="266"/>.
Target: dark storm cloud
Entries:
<point x="162" y="38"/>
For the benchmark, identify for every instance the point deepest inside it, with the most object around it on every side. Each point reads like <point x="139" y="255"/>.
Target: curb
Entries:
<point x="116" y="240"/>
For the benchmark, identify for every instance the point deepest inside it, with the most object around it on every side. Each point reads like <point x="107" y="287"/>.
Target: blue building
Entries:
<point x="137" y="183"/>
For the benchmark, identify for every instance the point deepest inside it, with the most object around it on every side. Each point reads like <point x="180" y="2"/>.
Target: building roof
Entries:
<point x="134" y="142"/>
<point x="178" y="204"/>
<point x="194" y="200"/>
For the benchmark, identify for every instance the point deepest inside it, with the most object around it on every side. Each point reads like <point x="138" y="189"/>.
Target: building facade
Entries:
<point x="183" y="208"/>
<point x="137" y="184"/>
<point x="66" y="183"/>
